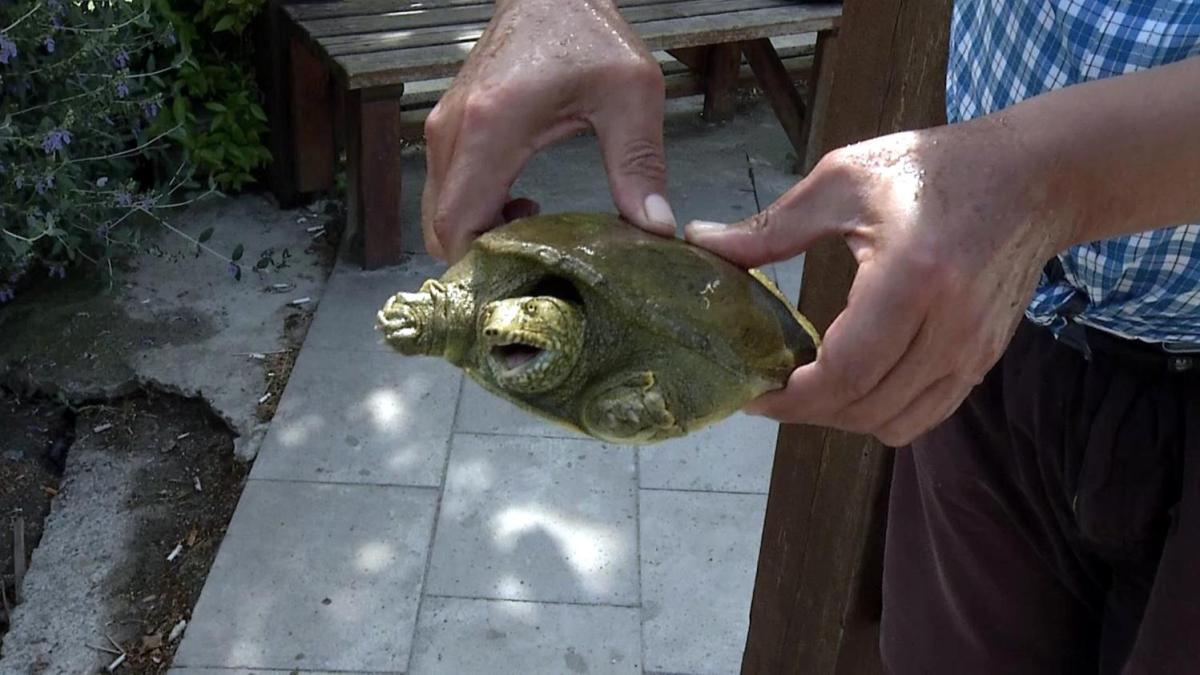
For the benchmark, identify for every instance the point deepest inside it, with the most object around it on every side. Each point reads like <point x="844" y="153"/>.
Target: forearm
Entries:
<point x="1114" y="156"/>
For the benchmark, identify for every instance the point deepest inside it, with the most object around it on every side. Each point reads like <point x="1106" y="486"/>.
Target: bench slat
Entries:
<point x="310" y="11"/>
<point x="400" y="65"/>
<point x="404" y="39"/>
<point x="453" y="17"/>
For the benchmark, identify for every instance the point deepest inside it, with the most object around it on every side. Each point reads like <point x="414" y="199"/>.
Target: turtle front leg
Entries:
<point x="630" y="410"/>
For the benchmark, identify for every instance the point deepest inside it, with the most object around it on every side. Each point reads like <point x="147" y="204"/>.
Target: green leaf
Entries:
<point x="262" y="264"/>
<point x="215" y="107"/>
<point x="225" y="23"/>
<point x="257" y="111"/>
<point x="237" y="253"/>
<point x="205" y="235"/>
<point x="179" y="109"/>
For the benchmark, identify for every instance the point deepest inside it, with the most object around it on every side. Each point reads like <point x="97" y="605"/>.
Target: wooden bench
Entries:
<point x="348" y="62"/>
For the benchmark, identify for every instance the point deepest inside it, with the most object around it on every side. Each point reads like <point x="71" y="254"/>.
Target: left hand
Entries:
<point x="950" y="229"/>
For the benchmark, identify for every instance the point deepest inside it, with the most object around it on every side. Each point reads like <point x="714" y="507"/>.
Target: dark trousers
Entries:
<point x="1052" y="525"/>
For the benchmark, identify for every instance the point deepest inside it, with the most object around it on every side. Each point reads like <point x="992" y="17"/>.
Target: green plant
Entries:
<point x="212" y="96"/>
<point x="80" y="109"/>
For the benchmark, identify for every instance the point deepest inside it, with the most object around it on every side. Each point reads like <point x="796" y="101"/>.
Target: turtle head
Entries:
<point x="531" y="343"/>
<point x="434" y="321"/>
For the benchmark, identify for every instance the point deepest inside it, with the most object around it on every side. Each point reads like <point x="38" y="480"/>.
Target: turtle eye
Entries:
<point x="530" y="308"/>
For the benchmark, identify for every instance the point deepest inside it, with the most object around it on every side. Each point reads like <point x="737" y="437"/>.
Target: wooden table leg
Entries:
<point x="816" y="603"/>
<point x="777" y="84"/>
<point x="312" y="119"/>
<point x="720" y="80"/>
<point x="817" y="92"/>
<point x="373" y="172"/>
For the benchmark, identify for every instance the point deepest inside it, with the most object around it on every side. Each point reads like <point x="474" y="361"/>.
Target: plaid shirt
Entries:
<point x="1145" y="286"/>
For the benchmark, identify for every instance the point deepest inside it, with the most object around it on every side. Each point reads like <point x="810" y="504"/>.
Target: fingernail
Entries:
<point x="658" y="211"/>
<point x="703" y="227"/>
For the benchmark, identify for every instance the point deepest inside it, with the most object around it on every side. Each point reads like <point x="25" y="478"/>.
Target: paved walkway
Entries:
<point x="400" y="520"/>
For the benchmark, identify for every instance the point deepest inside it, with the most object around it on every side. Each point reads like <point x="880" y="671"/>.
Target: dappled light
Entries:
<point x="585" y="547"/>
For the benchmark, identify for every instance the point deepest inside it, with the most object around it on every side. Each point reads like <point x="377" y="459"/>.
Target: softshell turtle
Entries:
<point x="589" y="321"/>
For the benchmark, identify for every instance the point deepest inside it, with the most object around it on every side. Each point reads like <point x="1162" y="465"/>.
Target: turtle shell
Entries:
<point x="671" y="289"/>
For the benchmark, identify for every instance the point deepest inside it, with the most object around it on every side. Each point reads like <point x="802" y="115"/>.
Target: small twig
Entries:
<point x="112" y="667"/>
<point x="18" y="557"/>
<point x="175" y="553"/>
<point x="255" y="355"/>
<point x="106" y="650"/>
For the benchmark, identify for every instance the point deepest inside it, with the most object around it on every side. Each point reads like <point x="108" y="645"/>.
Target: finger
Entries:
<point x="631" y="143"/>
<point x="521" y="207"/>
<point x="441" y="133"/>
<point x="471" y="200"/>
<point x="783" y="230"/>
<point x="938" y="402"/>
<point x="884" y="312"/>
<point x="926" y="361"/>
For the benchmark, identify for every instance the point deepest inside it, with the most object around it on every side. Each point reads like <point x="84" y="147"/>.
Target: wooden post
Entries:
<point x="312" y="119"/>
<point x="373" y="172"/>
<point x="779" y="89"/>
<point x="273" y="67"/>
<point x="720" y="79"/>
<point x="816" y="600"/>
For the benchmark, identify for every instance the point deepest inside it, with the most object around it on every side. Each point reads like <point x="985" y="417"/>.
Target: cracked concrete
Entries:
<point x="173" y="322"/>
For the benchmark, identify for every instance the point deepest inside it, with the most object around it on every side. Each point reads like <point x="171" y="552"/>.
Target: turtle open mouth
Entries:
<point x="517" y="353"/>
<point x="530" y="344"/>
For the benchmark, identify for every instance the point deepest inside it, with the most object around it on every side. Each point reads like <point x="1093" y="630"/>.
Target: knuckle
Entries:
<point x="643" y="157"/>
<point x="480" y="109"/>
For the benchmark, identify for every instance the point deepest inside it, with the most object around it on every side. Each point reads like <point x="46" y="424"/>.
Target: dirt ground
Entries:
<point x="186" y="493"/>
<point x="189" y="479"/>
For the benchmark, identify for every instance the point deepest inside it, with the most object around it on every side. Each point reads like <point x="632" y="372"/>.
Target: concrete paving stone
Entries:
<point x="268" y="671"/>
<point x="482" y="412"/>
<point x="542" y="519"/>
<point x="325" y="577"/>
<point x="699" y="552"/>
<point x="790" y="273"/>
<point x="345" y="319"/>
<point x="487" y="637"/>
<point x="362" y="417"/>
<point x="734" y="455"/>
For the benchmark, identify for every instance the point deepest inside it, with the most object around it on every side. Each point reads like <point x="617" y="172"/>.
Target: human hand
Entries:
<point x="950" y="233"/>
<point x="544" y="70"/>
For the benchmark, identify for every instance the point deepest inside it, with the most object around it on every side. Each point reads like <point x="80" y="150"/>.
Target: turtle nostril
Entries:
<point x="490" y="332"/>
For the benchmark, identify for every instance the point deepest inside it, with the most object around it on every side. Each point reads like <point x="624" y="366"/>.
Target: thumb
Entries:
<point x="781" y="231"/>
<point x="631" y="141"/>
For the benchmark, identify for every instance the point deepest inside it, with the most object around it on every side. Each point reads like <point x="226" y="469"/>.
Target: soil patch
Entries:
<point x="184" y="494"/>
<point x="31" y="433"/>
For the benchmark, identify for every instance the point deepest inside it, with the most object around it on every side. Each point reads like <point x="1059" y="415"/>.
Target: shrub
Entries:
<point x="82" y="104"/>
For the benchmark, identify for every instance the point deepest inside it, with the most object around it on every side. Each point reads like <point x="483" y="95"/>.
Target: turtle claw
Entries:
<point x="403" y="319"/>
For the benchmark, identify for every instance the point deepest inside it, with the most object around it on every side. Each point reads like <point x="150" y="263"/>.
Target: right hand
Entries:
<point x="544" y="70"/>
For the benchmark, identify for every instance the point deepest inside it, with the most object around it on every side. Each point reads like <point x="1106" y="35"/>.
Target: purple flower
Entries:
<point x="102" y="232"/>
<point x="121" y="59"/>
<point x="6" y="294"/>
<point x="19" y="182"/>
<point x="8" y="49"/>
<point x="56" y="140"/>
<point x="44" y="184"/>
<point x="55" y="6"/>
<point x="150" y="110"/>
<point x="56" y="21"/>
<point x="49" y="45"/>
<point x="124" y="199"/>
<point x="122" y="88"/>
<point x="58" y="271"/>
<point x="171" y="35"/>
<point x="234" y="270"/>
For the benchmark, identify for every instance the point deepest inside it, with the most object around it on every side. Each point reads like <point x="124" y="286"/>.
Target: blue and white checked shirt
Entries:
<point x="1144" y="286"/>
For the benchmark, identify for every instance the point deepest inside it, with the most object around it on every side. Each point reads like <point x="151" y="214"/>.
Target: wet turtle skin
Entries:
<point x="604" y="328"/>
